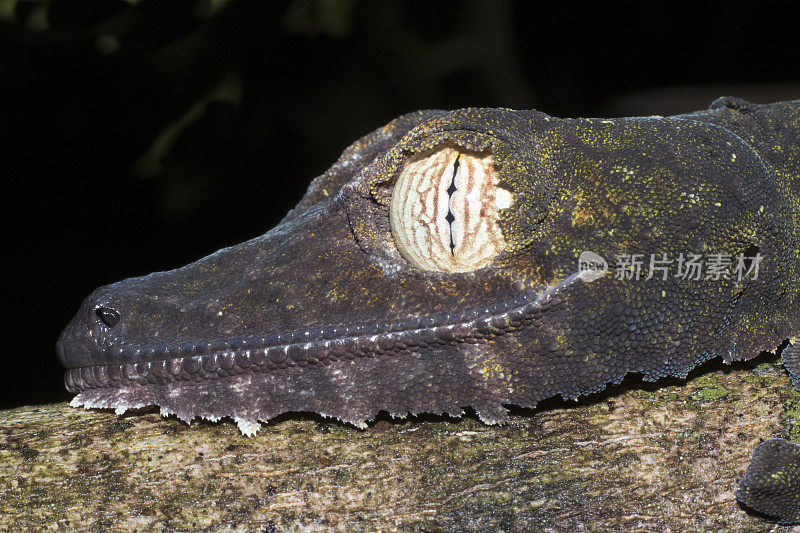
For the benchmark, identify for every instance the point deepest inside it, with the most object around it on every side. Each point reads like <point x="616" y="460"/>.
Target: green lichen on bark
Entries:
<point x="639" y="457"/>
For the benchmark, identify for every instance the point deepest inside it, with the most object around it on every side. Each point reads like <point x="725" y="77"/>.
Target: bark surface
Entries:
<point x="639" y="457"/>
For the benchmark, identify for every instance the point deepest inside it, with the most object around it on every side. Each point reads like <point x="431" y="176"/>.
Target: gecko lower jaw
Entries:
<point x="129" y="365"/>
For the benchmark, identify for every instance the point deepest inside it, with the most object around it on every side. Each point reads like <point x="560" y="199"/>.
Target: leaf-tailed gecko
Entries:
<point x="480" y="257"/>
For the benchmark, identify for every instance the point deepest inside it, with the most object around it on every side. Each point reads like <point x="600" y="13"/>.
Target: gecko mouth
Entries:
<point x="129" y="365"/>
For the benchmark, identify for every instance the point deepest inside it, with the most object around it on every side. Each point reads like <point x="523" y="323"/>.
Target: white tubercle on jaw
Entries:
<point x="445" y="208"/>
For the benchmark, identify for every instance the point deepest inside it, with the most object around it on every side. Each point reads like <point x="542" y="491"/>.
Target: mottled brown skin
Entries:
<point x="323" y="314"/>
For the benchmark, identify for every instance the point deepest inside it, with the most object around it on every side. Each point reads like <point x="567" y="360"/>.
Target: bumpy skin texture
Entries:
<point x="772" y="482"/>
<point x="323" y="314"/>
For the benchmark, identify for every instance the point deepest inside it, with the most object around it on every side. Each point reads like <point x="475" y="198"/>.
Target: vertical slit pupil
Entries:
<point x="450" y="217"/>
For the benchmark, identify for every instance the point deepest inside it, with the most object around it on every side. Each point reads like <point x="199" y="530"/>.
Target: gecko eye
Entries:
<point x="444" y="211"/>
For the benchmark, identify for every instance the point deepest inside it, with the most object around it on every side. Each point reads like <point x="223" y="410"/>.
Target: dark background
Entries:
<point x="139" y="136"/>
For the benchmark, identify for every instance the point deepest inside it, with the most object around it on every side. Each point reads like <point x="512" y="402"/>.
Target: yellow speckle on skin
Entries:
<point x="663" y="294"/>
<point x="733" y="157"/>
<point x="717" y="204"/>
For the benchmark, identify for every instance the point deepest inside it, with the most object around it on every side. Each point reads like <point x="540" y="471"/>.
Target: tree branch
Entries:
<point x="641" y="456"/>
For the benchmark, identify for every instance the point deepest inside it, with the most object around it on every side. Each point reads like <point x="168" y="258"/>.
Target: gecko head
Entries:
<point x="416" y="227"/>
<point x="448" y="238"/>
<point x="415" y="238"/>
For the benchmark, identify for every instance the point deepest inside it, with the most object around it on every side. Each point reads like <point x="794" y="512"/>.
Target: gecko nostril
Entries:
<point x="108" y="316"/>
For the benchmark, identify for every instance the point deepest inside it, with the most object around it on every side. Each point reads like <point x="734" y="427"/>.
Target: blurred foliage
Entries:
<point x="209" y="87"/>
<point x="320" y="17"/>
